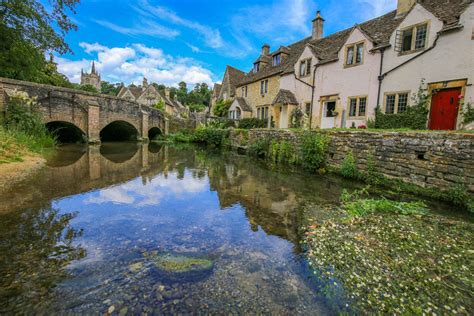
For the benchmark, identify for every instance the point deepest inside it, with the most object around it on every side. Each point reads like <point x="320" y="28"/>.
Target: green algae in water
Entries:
<point x="172" y="263"/>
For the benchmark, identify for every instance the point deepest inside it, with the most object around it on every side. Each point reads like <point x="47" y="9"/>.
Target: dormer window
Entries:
<point x="305" y="67"/>
<point x="413" y="38"/>
<point x="277" y="60"/>
<point x="354" y="54"/>
<point x="256" y="67"/>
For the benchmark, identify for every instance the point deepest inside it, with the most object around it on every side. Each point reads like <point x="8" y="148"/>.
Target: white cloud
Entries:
<point x="212" y="37"/>
<point x="136" y="194"/>
<point x="133" y="62"/>
<point x="146" y="27"/>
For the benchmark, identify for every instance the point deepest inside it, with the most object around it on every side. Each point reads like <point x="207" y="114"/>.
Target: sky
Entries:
<point x="168" y="41"/>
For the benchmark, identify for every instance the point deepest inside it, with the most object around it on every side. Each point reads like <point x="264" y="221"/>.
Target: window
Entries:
<point x="355" y="54"/>
<point x="262" y="112"/>
<point x="305" y="67"/>
<point x="414" y="38"/>
<point x="277" y="60"/>
<point x="256" y="67"/>
<point x="357" y="106"/>
<point x="263" y="87"/>
<point x="244" y="92"/>
<point x="396" y="102"/>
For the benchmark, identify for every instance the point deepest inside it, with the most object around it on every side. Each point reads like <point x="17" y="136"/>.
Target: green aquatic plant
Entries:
<point x="348" y="167"/>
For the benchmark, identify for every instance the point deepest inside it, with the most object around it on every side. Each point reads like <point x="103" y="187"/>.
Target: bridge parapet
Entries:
<point x="90" y="112"/>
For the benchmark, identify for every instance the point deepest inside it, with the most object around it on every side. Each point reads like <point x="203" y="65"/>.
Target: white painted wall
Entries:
<point x="334" y="78"/>
<point x="451" y="59"/>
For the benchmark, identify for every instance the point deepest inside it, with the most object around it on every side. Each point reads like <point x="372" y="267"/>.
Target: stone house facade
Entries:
<point x="226" y="91"/>
<point x="339" y="80"/>
<point x="148" y="94"/>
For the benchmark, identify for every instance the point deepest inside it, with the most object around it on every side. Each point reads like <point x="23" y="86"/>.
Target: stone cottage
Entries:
<point x="339" y="80"/>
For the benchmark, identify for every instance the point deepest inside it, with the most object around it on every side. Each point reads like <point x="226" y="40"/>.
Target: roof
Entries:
<point x="447" y="11"/>
<point x="378" y="30"/>
<point x="217" y="89"/>
<point x="235" y="77"/>
<point x="285" y="97"/>
<point x="243" y="104"/>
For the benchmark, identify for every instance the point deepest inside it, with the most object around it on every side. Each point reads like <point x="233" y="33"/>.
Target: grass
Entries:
<point x="389" y="257"/>
<point x="15" y="144"/>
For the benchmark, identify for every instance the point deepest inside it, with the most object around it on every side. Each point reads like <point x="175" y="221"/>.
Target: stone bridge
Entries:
<point x="97" y="117"/>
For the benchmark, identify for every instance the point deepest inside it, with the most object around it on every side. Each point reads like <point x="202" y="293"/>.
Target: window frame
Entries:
<point x="263" y="112"/>
<point x="306" y="63"/>
<point x="414" y="31"/>
<point x="397" y="99"/>
<point x="354" y="47"/>
<point x="244" y="91"/>
<point x="357" y="107"/>
<point x="274" y="58"/>
<point x="264" y="87"/>
<point x="256" y="67"/>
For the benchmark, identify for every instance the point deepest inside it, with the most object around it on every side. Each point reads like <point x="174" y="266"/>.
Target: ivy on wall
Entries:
<point x="415" y="117"/>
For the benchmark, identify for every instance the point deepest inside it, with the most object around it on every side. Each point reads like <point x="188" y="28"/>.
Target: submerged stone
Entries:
<point x="180" y="267"/>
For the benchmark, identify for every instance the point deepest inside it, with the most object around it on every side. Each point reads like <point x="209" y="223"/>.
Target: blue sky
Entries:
<point x="193" y="40"/>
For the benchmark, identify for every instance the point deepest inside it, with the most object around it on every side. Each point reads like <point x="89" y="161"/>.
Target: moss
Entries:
<point x="180" y="264"/>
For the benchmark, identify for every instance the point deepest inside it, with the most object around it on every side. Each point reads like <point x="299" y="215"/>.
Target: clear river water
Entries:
<point x="126" y="228"/>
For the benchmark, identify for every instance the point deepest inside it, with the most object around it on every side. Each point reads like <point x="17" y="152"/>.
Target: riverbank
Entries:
<point x="387" y="257"/>
<point x="15" y="172"/>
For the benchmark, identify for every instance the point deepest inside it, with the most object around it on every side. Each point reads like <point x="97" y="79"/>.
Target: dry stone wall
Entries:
<point x="429" y="159"/>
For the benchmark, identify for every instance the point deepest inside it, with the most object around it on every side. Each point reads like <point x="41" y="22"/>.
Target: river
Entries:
<point x="85" y="234"/>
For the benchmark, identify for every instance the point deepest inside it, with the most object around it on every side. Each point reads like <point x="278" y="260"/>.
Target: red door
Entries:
<point x="444" y="109"/>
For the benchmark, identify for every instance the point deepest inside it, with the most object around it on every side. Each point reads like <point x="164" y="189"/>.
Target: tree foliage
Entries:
<point x="110" y="88"/>
<point x="222" y="107"/>
<point x="44" y="27"/>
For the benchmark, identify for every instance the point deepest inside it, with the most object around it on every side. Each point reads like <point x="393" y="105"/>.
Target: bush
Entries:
<point x="160" y="105"/>
<point x="26" y="126"/>
<point x="283" y="152"/>
<point x="222" y="107"/>
<point x="196" y="107"/>
<point x="221" y="123"/>
<point x="415" y="117"/>
<point x="349" y="168"/>
<point x="259" y="148"/>
<point x="210" y="136"/>
<point x="313" y="150"/>
<point x="249" y="123"/>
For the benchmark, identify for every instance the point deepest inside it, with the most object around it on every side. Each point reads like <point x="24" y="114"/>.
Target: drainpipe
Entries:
<point x="312" y="97"/>
<point x="382" y="51"/>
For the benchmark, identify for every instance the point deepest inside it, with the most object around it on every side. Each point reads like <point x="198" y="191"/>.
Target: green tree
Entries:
<point x="44" y="27"/>
<point x="182" y="92"/>
<point x="110" y="88"/>
<point x="222" y="107"/>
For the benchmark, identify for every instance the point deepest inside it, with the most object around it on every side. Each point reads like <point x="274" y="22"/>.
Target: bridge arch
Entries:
<point x="66" y="132"/>
<point x="154" y="132"/>
<point x="119" y="131"/>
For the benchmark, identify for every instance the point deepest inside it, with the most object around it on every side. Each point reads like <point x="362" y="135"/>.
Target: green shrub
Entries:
<point x="249" y="123"/>
<point x="349" y="167"/>
<point x="370" y="175"/>
<point x="220" y="123"/>
<point x="26" y="126"/>
<point x="222" y="108"/>
<point x="313" y="149"/>
<point x="259" y="148"/>
<point x="210" y="136"/>
<point x="160" y="105"/>
<point x="468" y="113"/>
<point x="415" y="117"/>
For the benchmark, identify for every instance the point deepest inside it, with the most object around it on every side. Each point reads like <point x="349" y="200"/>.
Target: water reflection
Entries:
<point x="122" y="204"/>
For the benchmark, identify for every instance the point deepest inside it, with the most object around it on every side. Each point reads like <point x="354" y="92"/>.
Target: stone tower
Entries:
<point x="92" y="78"/>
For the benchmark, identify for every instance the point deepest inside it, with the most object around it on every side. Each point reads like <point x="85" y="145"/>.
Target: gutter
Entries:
<point x="312" y="97"/>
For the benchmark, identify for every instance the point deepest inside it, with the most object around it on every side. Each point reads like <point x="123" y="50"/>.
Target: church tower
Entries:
<point x="92" y="78"/>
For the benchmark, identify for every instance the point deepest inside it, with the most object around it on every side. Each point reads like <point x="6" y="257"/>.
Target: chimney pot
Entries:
<point x="403" y="6"/>
<point x="265" y="49"/>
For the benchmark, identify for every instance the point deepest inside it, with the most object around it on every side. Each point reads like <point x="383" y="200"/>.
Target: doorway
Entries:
<point x="328" y="119"/>
<point x="444" y="109"/>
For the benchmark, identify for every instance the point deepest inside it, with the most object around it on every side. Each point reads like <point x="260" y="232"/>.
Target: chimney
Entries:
<point x="318" y="24"/>
<point x="265" y="50"/>
<point x="167" y="92"/>
<point x="404" y="6"/>
<point x="145" y="83"/>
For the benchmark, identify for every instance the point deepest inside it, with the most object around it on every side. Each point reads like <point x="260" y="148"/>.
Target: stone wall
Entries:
<point x="428" y="159"/>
